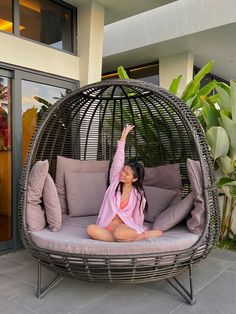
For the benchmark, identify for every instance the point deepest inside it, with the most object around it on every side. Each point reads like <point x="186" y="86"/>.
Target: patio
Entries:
<point x="214" y="282"/>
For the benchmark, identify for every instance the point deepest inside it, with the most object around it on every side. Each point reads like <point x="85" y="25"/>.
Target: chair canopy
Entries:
<point x="86" y="125"/>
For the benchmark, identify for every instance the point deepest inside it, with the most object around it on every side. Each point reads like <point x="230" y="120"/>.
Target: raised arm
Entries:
<point x="119" y="158"/>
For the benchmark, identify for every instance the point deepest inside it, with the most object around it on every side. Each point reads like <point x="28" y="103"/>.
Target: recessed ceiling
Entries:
<point x="216" y="44"/>
<point x="116" y="10"/>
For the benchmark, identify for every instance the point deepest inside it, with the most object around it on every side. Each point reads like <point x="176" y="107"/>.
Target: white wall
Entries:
<point x="174" y="20"/>
<point x="25" y="53"/>
<point x="90" y="43"/>
<point x="173" y="66"/>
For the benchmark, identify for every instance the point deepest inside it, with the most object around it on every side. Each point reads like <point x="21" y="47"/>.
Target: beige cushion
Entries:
<point x="73" y="165"/>
<point x="35" y="215"/>
<point x="52" y="204"/>
<point x="158" y="200"/>
<point x="174" y="214"/>
<point x="197" y="219"/>
<point x="72" y="238"/>
<point x="85" y="192"/>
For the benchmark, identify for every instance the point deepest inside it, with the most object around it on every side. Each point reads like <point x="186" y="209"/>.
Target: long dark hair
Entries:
<point x="138" y="173"/>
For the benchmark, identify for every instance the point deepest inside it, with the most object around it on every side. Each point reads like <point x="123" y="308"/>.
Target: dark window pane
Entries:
<point x="46" y="22"/>
<point x="6" y="16"/>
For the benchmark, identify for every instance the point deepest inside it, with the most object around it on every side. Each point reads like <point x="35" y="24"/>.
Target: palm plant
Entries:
<point x="217" y="114"/>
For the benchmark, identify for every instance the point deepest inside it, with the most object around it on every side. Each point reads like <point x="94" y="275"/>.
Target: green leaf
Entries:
<point x="190" y="90"/>
<point x="206" y="89"/>
<point x="230" y="127"/>
<point x="224" y="181"/>
<point x="233" y="99"/>
<point x="223" y="91"/>
<point x="233" y="192"/>
<point x="210" y="114"/>
<point x="227" y="164"/>
<point x="214" y="98"/>
<point x="174" y="86"/>
<point x="226" y="113"/>
<point x="218" y="140"/>
<point x="43" y="101"/>
<point x="194" y="85"/>
<point x="204" y="70"/>
<point x="122" y="73"/>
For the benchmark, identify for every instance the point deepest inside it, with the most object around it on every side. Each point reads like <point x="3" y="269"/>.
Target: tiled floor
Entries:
<point x="214" y="286"/>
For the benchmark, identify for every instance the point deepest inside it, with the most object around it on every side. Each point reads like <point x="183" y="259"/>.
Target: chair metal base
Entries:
<point x="187" y="295"/>
<point x="43" y="289"/>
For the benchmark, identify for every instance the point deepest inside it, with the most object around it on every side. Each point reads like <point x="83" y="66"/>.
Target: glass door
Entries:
<point x="24" y="96"/>
<point x="6" y="216"/>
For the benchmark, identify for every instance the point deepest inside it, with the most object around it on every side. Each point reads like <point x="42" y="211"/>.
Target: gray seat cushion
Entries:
<point x="72" y="238"/>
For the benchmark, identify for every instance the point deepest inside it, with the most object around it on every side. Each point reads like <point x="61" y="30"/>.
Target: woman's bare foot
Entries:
<point x="153" y="233"/>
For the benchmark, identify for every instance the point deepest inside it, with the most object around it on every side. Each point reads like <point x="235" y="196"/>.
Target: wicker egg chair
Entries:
<point x="85" y="125"/>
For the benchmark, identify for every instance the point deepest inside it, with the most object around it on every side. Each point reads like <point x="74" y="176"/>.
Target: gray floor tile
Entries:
<point x="224" y="254"/>
<point x="6" y="264"/>
<point x="217" y="298"/>
<point x="8" y="307"/>
<point x="233" y="267"/>
<point x="64" y="298"/>
<point x="28" y="273"/>
<point x="10" y="287"/>
<point x="203" y="273"/>
<point x="20" y="256"/>
<point x="130" y="299"/>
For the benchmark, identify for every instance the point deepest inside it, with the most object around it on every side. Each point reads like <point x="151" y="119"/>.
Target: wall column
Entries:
<point x="90" y="42"/>
<point x="172" y="66"/>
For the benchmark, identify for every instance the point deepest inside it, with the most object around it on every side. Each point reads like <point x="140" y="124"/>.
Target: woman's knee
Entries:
<point x="124" y="233"/>
<point x="91" y="230"/>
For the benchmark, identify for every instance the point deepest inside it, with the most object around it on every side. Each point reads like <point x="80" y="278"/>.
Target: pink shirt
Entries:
<point x="132" y="214"/>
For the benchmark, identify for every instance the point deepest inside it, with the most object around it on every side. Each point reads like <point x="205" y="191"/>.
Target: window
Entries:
<point x="46" y="22"/>
<point x="36" y="98"/>
<point x="6" y="16"/>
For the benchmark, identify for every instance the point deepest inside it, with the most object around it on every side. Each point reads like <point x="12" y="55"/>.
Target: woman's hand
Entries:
<point x="125" y="132"/>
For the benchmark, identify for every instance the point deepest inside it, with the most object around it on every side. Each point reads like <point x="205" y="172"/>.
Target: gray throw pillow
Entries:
<point x="74" y="165"/>
<point x="165" y="177"/>
<point x="85" y="192"/>
<point x="174" y="214"/>
<point x="197" y="219"/>
<point x="52" y="205"/>
<point x="158" y="200"/>
<point x="35" y="215"/>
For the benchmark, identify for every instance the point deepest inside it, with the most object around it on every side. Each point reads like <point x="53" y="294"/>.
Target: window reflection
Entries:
<point x="6" y="16"/>
<point x="46" y="22"/>
<point x="36" y="98"/>
<point x="5" y="160"/>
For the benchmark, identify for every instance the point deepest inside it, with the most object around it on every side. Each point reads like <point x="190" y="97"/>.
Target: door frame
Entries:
<point x="17" y="74"/>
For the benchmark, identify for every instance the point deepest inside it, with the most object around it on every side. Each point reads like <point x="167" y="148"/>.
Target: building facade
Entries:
<point x="50" y="47"/>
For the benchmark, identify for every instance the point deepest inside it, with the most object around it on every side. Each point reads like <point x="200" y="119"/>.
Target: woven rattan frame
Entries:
<point x="86" y="125"/>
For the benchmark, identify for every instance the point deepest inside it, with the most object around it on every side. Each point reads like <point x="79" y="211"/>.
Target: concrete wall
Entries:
<point x="25" y="53"/>
<point x="173" y="66"/>
<point x="90" y="43"/>
<point x="174" y="20"/>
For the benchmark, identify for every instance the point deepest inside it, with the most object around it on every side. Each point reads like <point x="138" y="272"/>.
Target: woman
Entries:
<point x="121" y="215"/>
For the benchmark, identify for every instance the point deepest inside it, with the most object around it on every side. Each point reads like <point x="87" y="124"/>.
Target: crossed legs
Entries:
<point x="120" y="233"/>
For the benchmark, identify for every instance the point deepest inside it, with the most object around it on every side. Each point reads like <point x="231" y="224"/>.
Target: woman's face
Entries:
<point x="126" y="175"/>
